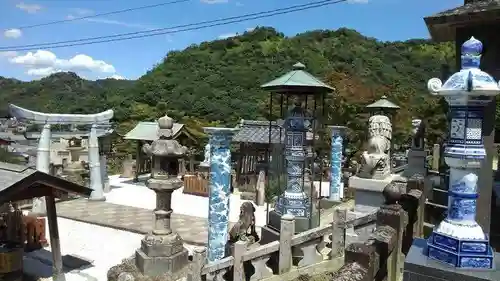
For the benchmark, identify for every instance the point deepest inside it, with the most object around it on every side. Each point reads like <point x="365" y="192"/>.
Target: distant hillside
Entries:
<point x="218" y="81"/>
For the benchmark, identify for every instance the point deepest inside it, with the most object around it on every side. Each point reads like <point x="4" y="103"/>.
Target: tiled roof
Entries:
<point x="255" y="131"/>
<point x="11" y="174"/>
<point x="17" y="179"/>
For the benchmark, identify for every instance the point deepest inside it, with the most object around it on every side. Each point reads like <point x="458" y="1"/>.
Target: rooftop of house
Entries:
<point x="442" y="26"/>
<point x="19" y="182"/>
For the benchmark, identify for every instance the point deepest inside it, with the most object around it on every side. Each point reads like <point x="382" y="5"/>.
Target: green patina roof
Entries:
<point x="298" y="78"/>
<point x="383" y="103"/>
<point x="148" y="131"/>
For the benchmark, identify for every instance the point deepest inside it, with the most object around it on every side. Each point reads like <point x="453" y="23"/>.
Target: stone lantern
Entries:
<point x="162" y="250"/>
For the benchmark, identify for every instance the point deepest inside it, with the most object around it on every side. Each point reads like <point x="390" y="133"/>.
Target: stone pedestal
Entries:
<point x="368" y="192"/>
<point x="416" y="163"/>
<point x="160" y="255"/>
<point x="418" y="267"/>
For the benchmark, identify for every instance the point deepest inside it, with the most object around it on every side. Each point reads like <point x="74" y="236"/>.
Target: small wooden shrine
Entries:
<point x="19" y="183"/>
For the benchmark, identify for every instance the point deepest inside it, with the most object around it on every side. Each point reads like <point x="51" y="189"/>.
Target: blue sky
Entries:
<point x="382" y="19"/>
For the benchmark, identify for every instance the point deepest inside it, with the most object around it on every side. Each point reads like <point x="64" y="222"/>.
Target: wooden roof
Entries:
<point x="18" y="182"/>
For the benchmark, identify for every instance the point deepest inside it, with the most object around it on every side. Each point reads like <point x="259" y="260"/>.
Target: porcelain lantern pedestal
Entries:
<point x="459" y="240"/>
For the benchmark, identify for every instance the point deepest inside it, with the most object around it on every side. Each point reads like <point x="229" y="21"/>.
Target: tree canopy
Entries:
<point x="218" y="82"/>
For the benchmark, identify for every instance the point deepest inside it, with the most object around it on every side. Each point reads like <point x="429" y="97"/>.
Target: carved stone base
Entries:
<point x="368" y="192"/>
<point x="301" y="224"/>
<point x="161" y="255"/>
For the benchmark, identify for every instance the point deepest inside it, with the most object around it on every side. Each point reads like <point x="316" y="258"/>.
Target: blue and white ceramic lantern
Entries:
<point x="294" y="200"/>
<point x="219" y="191"/>
<point x="459" y="240"/>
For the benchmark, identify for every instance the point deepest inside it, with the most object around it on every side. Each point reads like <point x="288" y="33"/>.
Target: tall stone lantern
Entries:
<point x="459" y="240"/>
<point x="162" y="250"/>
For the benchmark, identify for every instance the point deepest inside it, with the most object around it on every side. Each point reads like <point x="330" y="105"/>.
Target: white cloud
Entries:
<point x="13" y="33"/>
<point x="117" y="77"/>
<point x="82" y="11"/>
<point x="29" y="8"/>
<point x="227" y="35"/>
<point x="8" y="54"/>
<point x="43" y="63"/>
<point x="250" y="29"/>
<point x="120" y="23"/>
<point x="214" y="1"/>
<point x="112" y="22"/>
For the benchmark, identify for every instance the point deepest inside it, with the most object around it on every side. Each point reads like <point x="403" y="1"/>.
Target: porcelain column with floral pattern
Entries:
<point x="219" y="193"/>
<point x="459" y="240"/>
<point x="336" y="184"/>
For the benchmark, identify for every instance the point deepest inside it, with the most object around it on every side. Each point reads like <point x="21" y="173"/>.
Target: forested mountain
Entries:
<point x="218" y="81"/>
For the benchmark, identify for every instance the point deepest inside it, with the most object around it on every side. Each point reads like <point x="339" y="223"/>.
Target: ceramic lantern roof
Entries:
<point x="470" y="80"/>
<point x="383" y="103"/>
<point x="442" y="26"/>
<point x="297" y="80"/>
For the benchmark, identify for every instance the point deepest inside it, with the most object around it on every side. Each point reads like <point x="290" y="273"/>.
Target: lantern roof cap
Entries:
<point x="470" y="80"/>
<point x="297" y="80"/>
<point x="165" y="145"/>
<point x="383" y="102"/>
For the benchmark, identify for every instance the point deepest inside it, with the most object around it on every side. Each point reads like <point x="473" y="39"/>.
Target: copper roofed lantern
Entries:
<point x="301" y="102"/>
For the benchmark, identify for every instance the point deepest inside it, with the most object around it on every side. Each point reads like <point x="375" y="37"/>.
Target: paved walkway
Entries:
<point x="138" y="220"/>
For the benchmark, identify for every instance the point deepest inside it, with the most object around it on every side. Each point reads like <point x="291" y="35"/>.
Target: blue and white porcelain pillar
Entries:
<point x="459" y="240"/>
<point x="336" y="184"/>
<point x="219" y="190"/>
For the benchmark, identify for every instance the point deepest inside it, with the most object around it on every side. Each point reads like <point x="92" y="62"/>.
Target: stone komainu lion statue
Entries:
<point x="375" y="161"/>
<point x="244" y="229"/>
<point x="418" y="128"/>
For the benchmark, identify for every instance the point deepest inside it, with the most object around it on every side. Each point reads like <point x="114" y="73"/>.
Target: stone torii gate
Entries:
<point x="43" y="151"/>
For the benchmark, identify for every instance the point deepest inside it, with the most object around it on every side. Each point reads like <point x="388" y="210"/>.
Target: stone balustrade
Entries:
<point x="398" y="221"/>
<point x="382" y="254"/>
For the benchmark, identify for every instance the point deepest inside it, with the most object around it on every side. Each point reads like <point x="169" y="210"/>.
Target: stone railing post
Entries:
<point x="285" y="252"/>
<point x="415" y="184"/>
<point x="365" y="255"/>
<point x="338" y="233"/>
<point x="395" y="217"/>
<point x="240" y="247"/>
<point x="199" y="260"/>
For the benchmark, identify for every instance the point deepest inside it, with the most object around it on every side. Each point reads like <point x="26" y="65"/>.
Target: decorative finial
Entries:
<point x="165" y="125"/>
<point x="299" y="66"/>
<point x="471" y="53"/>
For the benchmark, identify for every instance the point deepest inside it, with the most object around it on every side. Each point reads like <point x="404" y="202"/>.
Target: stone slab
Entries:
<point x="155" y="266"/>
<point x="193" y="230"/>
<point x="368" y="192"/>
<point x="418" y="267"/>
